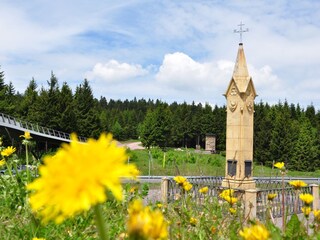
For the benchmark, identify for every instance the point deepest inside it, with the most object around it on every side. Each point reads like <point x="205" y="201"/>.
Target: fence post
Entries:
<point x="315" y="193"/>
<point x="250" y="203"/>
<point x="164" y="190"/>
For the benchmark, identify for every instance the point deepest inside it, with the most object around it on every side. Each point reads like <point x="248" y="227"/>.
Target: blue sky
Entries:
<point x="168" y="50"/>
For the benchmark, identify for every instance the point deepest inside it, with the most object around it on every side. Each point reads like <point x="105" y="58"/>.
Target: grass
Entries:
<point x="178" y="163"/>
<point x="193" y="163"/>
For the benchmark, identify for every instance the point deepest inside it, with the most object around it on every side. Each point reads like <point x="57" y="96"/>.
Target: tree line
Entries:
<point x="282" y="132"/>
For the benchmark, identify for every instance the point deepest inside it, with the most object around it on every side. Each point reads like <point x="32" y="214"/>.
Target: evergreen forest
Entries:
<point x="283" y="132"/>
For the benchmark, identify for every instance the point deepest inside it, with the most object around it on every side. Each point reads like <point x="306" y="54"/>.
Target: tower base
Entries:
<point x="239" y="183"/>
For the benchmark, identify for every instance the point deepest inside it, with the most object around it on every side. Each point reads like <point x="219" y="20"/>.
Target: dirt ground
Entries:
<point x="132" y="145"/>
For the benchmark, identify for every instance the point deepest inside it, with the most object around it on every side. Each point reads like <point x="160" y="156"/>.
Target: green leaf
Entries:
<point x="295" y="229"/>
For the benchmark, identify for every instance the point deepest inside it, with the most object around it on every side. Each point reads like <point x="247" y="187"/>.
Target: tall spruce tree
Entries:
<point x="88" y="124"/>
<point x="283" y="134"/>
<point x="305" y="149"/>
<point x="156" y="128"/>
<point x="68" y="118"/>
<point x="3" y="88"/>
<point x="29" y="99"/>
<point x="262" y="134"/>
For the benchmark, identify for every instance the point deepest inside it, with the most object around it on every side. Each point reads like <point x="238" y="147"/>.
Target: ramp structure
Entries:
<point x="13" y="128"/>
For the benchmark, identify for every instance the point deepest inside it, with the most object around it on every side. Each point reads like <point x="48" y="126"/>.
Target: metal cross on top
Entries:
<point x="241" y="30"/>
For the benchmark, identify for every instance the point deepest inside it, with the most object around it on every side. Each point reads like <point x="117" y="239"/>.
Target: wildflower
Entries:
<point x="213" y="230"/>
<point x="76" y="178"/>
<point x="144" y="223"/>
<point x="180" y="180"/>
<point x="307" y="198"/>
<point x="7" y="152"/>
<point x="26" y="135"/>
<point x="2" y="162"/>
<point x="159" y="205"/>
<point x="279" y="165"/>
<point x="227" y="192"/>
<point x="193" y="221"/>
<point x="271" y="196"/>
<point x="204" y="190"/>
<point x="232" y="210"/>
<point x="35" y="238"/>
<point x="306" y="211"/>
<point x="230" y="200"/>
<point x="255" y="232"/>
<point x="133" y="189"/>
<point x="316" y="214"/>
<point x="297" y="184"/>
<point x="187" y="186"/>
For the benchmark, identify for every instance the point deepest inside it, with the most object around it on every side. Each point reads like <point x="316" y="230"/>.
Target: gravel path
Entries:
<point x="132" y="145"/>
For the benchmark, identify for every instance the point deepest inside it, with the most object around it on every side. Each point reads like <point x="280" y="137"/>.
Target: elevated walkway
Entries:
<point x="13" y="128"/>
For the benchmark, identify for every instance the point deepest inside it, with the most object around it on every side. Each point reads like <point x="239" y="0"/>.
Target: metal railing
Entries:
<point x="9" y="121"/>
<point x="264" y="187"/>
<point x="213" y="184"/>
<point x="292" y="202"/>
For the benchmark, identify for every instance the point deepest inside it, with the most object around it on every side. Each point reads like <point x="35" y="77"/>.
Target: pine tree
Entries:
<point x="282" y="134"/>
<point x="156" y="128"/>
<point x="3" y="86"/>
<point x="262" y="134"/>
<point x="88" y="124"/>
<point x="68" y="118"/>
<point x="305" y="148"/>
<point x="29" y="99"/>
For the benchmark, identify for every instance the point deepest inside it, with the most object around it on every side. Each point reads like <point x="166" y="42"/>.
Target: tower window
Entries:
<point x="232" y="167"/>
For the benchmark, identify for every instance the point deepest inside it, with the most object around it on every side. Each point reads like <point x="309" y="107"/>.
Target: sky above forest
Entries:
<point x="168" y="50"/>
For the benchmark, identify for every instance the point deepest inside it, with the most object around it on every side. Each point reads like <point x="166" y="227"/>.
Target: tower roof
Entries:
<point x="240" y="74"/>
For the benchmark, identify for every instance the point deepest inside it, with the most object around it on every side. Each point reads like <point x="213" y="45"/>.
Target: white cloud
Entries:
<point x="207" y="81"/>
<point x="181" y="72"/>
<point x="264" y="78"/>
<point x="113" y="71"/>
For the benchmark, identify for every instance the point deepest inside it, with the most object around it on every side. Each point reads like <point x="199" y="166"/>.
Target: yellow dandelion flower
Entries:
<point x="159" y="205"/>
<point x="316" y="214"/>
<point x="144" y="223"/>
<point x="193" y="221"/>
<point x="77" y="176"/>
<point x="271" y="196"/>
<point x="180" y="180"/>
<point x="2" y="162"/>
<point x="307" y="198"/>
<point x="35" y="238"/>
<point x="232" y="210"/>
<point x="187" y="186"/>
<point x="255" y="232"/>
<point x="213" y="230"/>
<point x="204" y="190"/>
<point x="226" y="192"/>
<point x="298" y="184"/>
<point x="230" y="200"/>
<point x="7" y="152"/>
<point x="306" y="211"/>
<point x="133" y="189"/>
<point x="26" y="135"/>
<point x="279" y="165"/>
